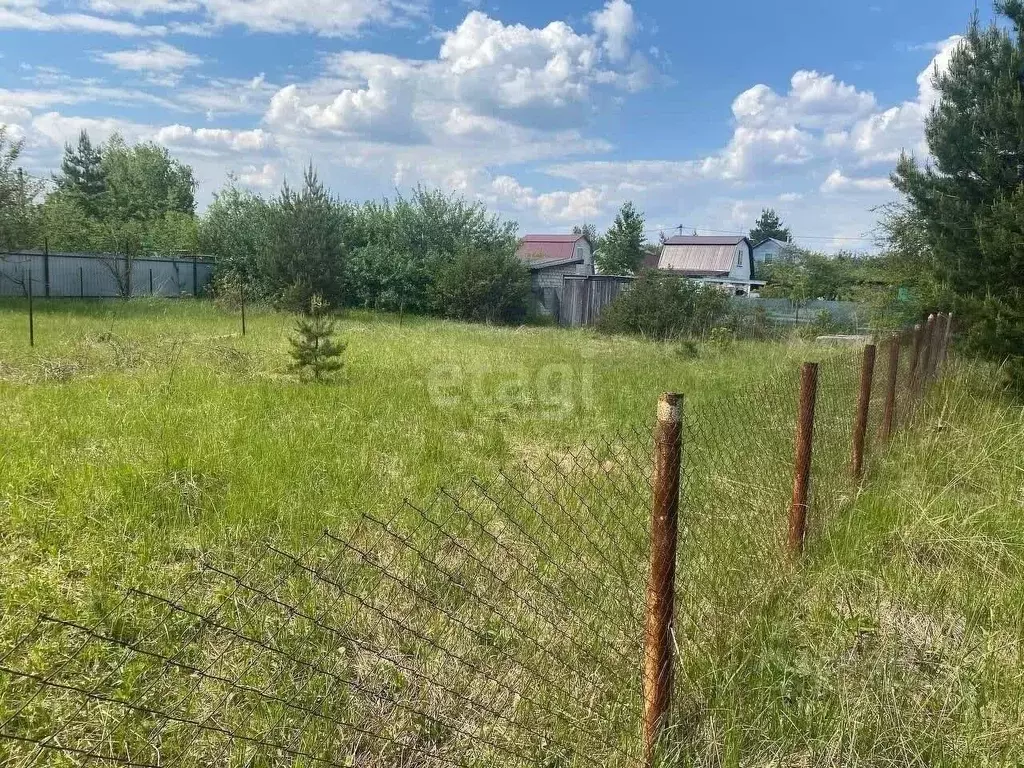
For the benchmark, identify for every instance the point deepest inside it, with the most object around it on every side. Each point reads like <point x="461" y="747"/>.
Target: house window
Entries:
<point x="768" y="258"/>
<point x="739" y="258"/>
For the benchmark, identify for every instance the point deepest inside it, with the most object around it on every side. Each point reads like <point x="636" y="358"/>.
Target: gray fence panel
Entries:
<point x="584" y="297"/>
<point x="96" y="275"/>
<point x="786" y="311"/>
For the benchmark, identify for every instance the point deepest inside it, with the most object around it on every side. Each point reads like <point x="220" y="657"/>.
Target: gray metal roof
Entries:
<point x="699" y="260"/>
<point x="535" y="265"/>
<point x="702" y="240"/>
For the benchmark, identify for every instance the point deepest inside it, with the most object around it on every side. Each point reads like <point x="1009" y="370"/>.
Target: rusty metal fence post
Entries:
<point x="660" y="609"/>
<point x="892" y="377"/>
<point x="802" y="458"/>
<point x="860" y="423"/>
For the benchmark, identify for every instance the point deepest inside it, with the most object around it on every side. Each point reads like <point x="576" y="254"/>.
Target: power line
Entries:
<point x="833" y="238"/>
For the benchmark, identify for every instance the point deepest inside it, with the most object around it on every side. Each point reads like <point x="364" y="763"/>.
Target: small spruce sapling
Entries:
<point x="315" y="352"/>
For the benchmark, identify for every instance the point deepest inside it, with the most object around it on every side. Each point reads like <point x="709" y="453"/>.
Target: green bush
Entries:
<point x="660" y="307"/>
<point x="751" y="323"/>
<point x="489" y="285"/>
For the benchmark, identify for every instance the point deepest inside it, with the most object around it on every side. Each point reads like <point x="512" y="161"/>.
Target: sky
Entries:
<point x="552" y="113"/>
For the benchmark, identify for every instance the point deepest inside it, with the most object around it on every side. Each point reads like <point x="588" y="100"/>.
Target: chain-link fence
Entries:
<point x="501" y="623"/>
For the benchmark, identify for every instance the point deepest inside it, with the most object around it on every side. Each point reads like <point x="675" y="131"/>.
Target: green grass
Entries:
<point x="142" y="438"/>
<point x="900" y="639"/>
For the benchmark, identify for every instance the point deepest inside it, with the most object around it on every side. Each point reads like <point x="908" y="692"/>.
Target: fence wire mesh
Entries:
<point x="499" y="623"/>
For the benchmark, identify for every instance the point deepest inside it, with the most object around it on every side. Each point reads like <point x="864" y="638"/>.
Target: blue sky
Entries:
<point x="552" y="113"/>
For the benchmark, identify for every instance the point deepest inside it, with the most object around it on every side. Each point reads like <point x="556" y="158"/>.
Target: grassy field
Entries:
<point x="143" y="437"/>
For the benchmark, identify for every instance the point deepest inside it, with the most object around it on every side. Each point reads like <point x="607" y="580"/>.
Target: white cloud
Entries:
<point x="559" y="206"/>
<point x="616" y="24"/>
<point x="29" y="15"/>
<point x="142" y="7"/>
<point x="159" y="57"/>
<point x="237" y="141"/>
<point x="259" y="177"/>
<point x="883" y="136"/>
<point x="838" y="182"/>
<point x="324" y="17"/>
<point x="488" y="79"/>
<point x="382" y="107"/>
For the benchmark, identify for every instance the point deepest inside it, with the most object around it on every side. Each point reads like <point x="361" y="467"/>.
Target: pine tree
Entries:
<point x="82" y="176"/>
<point x="315" y="353"/>
<point x="622" y="249"/>
<point x="307" y="250"/>
<point x="769" y="225"/>
<point x="968" y="202"/>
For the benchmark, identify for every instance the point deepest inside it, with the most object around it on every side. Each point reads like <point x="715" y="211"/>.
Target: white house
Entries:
<point x="724" y="261"/>
<point x="769" y="250"/>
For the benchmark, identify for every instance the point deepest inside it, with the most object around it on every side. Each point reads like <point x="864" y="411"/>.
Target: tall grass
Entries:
<point x="145" y="437"/>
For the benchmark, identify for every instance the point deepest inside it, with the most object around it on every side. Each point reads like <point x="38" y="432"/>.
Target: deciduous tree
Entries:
<point x="622" y="249"/>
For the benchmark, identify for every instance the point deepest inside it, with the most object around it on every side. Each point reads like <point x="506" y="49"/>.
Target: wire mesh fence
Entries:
<point x="500" y="623"/>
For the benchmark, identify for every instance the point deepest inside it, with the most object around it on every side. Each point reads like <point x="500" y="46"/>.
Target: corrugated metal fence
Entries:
<point x="100" y="275"/>
<point x="585" y="296"/>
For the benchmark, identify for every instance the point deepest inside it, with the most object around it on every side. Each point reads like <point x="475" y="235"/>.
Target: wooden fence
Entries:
<point x="585" y="296"/>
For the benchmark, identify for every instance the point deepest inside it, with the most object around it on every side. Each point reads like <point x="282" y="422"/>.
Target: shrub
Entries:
<point x="483" y="284"/>
<point x="751" y="323"/>
<point x="660" y="307"/>
<point x="314" y="351"/>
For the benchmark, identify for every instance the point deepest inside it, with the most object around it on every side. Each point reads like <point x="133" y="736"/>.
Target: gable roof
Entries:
<point x="535" y="248"/>
<point x="701" y="256"/>
<point x="702" y="240"/>
<point x="771" y="240"/>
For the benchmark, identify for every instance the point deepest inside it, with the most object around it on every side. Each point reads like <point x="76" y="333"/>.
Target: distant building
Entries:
<point x="550" y="258"/>
<point x="727" y="262"/>
<point x="770" y="250"/>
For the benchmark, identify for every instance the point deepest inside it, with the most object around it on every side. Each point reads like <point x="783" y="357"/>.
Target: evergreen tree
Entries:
<point x="969" y="203"/>
<point x="315" y="353"/>
<point x="82" y="177"/>
<point x="769" y="225"/>
<point x="307" y="250"/>
<point x="622" y="249"/>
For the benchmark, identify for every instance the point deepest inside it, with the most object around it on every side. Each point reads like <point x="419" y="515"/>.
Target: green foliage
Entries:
<point x="621" y="250"/>
<point x="236" y="230"/>
<point x="402" y="246"/>
<point x="490" y="284"/>
<point x="967" y="208"/>
<point x="769" y="225"/>
<point x="590" y="231"/>
<point x="802" y="276"/>
<point x="143" y="182"/>
<point x="314" y="351"/>
<point x="83" y="179"/>
<point x="17" y="220"/>
<point x="662" y="307"/>
<point x="306" y="254"/>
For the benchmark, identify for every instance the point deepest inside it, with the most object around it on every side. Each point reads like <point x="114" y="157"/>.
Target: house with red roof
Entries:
<point x="550" y="258"/>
